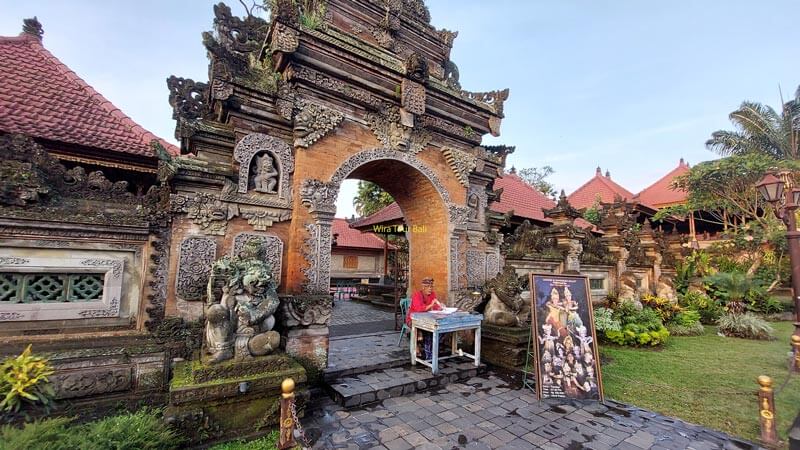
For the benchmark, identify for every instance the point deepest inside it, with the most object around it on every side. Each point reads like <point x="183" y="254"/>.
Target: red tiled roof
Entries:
<point x="599" y="185"/>
<point x="520" y="197"/>
<point x="390" y="213"/>
<point x="349" y="237"/>
<point x="43" y="98"/>
<point x="660" y="194"/>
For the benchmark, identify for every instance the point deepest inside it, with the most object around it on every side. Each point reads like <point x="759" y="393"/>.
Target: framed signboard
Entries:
<point x="563" y="335"/>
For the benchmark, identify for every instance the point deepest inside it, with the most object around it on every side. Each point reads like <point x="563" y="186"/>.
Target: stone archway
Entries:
<point x="422" y="197"/>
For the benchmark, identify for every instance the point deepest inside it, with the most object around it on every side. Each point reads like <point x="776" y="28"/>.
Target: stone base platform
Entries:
<point x="504" y="346"/>
<point x="232" y="399"/>
<point x="368" y="387"/>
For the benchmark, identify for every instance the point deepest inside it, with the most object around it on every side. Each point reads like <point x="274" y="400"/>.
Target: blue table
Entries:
<point x="437" y="324"/>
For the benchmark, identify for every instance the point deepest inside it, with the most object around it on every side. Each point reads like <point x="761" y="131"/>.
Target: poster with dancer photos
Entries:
<point x="563" y="337"/>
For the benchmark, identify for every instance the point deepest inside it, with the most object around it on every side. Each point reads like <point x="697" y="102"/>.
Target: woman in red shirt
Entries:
<point x="424" y="300"/>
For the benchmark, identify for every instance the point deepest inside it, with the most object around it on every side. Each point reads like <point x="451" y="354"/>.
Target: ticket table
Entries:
<point x="437" y="324"/>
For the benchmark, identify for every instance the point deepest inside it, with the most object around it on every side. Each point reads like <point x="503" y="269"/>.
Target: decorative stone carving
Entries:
<point x="313" y="122"/>
<point x="391" y="132"/>
<point x="319" y="196"/>
<point x="207" y="211"/>
<point x="197" y="254"/>
<point x="454" y="263"/>
<point x="221" y="90"/>
<point x="115" y="266"/>
<point x="412" y="96"/>
<point x="111" y="311"/>
<point x="284" y="39"/>
<point x="270" y="249"/>
<point x="13" y="260"/>
<point x="494" y="99"/>
<point x="91" y="381"/>
<point x="506" y="307"/>
<point x="461" y="162"/>
<point x="459" y="215"/>
<point x="573" y="260"/>
<point x="476" y="268"/>
<point x="159" y="273"/>
<point x="307" y="310"/>
<point x="528" y="240"/>
<point x="595" y="251"/>
<point x="628" y="291"/>
<point x="187" y="98"/>
<point x="451" y="75"/>
<point x="257" y="143"/>
<point x="492" y="264"/>
<point x="448" y="127"/>
<point x="494" y="125"/>
<point x="316" y="251"/>
<point x="417" y="70"/>
<point x="239" y="322"/>
<point x="665" y="288"/>
<point x="324" y="81"/>
<point x="262" y="218"/>
<point x="265" y="176"/>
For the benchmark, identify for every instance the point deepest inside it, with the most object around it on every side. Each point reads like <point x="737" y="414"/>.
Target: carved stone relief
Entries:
<point x="307" y="310"/>
<point x="256" y="144"/>
<point x="476" y="268"/>
<point x="316" y="251"/>
<point x="197" y="254"/>
<point x="313" y="122"/>
<point x="208" y="212"/>
<point x="492" y="264"/>
<point x="319" y="196"/>
<point x="412" y="96"/>
<point x="270" y="249"/>
<point x="284" y="39"/>
<point x="392" y="133"/>
<point x="477" y="201"/>
<point x="324" y="81"/>
<point x="86" y="382"/>
<point x="159" y="273"/>
<point x="461" y="162"/>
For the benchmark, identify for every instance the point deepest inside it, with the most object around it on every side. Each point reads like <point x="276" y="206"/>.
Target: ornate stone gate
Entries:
<point x="347" y="89"/>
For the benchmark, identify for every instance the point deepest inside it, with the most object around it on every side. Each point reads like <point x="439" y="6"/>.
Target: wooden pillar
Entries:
<point x="766" y="410"/>
<point x="385" y="256"/>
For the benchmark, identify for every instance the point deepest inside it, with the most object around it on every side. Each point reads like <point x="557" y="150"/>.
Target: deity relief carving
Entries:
<point x="249" y="153"/>
<point x="265" y="175"/>
<point x="240" y="311"/>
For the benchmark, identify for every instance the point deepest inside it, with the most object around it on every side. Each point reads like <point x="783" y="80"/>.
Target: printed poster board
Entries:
<point x="566" y="357"/>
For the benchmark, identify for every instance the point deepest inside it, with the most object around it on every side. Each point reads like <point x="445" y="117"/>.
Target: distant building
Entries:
<point x="356" y="256"/>
<point x="599" y="189"/>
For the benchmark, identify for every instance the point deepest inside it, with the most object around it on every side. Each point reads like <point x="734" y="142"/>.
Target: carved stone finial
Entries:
<point x="598" y="171"/>
<point x="608" y="174"/>
<point x="417" y="68"/>
<point x="187" y="98"/>
<point x="33" y="27"/>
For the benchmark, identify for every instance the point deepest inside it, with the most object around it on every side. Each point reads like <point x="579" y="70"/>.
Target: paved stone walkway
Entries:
<point x="355" y="317"/>
<point x="491" y="411"/>
<point x="366" y="352"/>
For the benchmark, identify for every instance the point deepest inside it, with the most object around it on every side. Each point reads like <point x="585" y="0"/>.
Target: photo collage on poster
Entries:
<point x="564" y="338"/>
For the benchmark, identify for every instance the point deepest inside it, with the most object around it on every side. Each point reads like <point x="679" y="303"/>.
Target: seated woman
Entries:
<point x="424" y="300"/>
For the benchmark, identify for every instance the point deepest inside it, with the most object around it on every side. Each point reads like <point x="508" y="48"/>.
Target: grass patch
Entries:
<point x="269" y="441"/>
<point x="708" y="380"/>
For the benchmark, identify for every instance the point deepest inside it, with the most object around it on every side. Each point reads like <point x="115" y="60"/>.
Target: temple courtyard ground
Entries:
<point x="492" y="411"/>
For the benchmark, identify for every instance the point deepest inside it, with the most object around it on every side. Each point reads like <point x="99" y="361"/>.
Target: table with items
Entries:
<point x="439" y="323"/>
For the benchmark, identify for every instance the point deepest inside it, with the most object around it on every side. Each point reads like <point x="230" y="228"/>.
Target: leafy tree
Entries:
<point x="725" y="189"/>
<point x="370" y="198"/>
<point x="760" y="129"/>
<point x="536" y="177"/>
<point x="592" y="213"/>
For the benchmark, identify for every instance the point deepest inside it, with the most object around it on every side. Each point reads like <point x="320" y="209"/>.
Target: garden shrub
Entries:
<point x="628" y="325"/>
<point x="747" y="326"/>
<point x="709" y="309"/>
<point x="686" y="323"/>
<point x="143" y="430"/>
<point x="665" y="308"/>
<point x="604" y="321"/>
<point x="24" y="381"/>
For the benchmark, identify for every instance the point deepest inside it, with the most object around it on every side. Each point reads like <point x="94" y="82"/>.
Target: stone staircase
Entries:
<point x="394" y="379"/>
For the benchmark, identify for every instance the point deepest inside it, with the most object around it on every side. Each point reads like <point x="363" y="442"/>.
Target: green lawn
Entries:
<point x="708" y="380"/>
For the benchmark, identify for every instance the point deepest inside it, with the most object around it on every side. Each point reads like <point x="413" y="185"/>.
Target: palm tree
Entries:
<point x="733" y="286"/>
<point x="760" y="129"/>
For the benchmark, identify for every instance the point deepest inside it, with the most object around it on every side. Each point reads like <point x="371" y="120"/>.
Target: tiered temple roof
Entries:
<point x="660" y="194"/>
<point x="600" y="187"/>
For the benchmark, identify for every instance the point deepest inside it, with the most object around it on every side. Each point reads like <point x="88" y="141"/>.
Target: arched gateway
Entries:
<point x="290" y="112"/>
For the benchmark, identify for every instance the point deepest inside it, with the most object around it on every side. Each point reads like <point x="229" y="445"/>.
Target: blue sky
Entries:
<point x="629" y="85"/>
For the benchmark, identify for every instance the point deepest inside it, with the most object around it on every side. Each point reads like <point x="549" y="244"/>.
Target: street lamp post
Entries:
<point x="773" y="190"/>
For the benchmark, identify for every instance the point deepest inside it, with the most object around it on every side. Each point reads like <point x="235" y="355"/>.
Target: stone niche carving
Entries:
<point x="240" y="312"/>
<point x="313" y="122"/>
<point x="270" y="249"/>
<point x="197" y="254"/>
<point x="272" y="161"/>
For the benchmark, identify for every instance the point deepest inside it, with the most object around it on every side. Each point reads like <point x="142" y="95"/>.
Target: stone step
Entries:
<point x="377" y="385"/>
<point x="331" y="375"/>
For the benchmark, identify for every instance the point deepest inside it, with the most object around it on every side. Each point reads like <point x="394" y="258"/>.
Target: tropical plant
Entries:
<point x="686" y="323"/>
<point x="663" y="306"/>
<point x="604" y="321"/>
<point x="760" y="129"/>
<point x="24" y="380"/>
<point x="733" y="288"/>
<point x="747" y="326"/>
<point x="370" y="198"/>
<point x="628" y="325"/>
<point x="709" y="309"/>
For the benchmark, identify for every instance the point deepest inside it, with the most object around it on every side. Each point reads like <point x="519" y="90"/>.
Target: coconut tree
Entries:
<point x="761" y="129"/>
